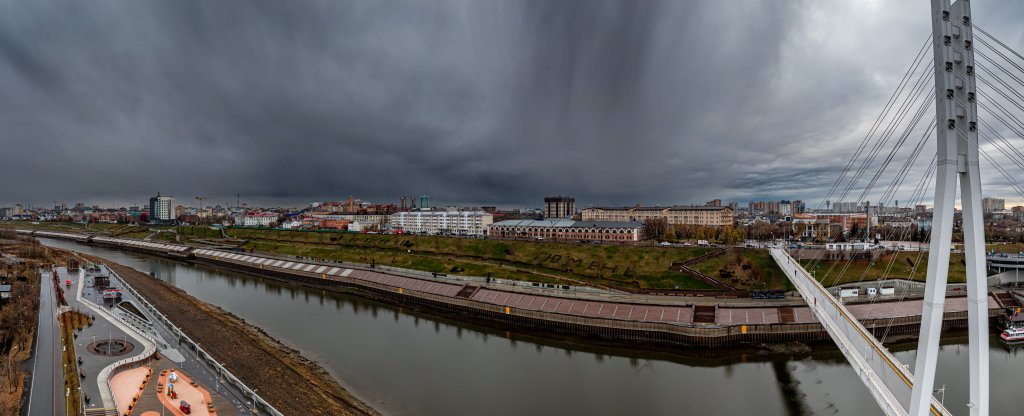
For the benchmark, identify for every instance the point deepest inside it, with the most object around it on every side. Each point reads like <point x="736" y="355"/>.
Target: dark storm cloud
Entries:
<point x="495" y="102"/>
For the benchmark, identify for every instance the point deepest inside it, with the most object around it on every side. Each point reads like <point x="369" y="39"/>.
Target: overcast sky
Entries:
<point x="476" y="102"/>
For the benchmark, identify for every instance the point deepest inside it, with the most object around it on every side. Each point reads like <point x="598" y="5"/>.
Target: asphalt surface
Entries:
<point x="47" y="394"/>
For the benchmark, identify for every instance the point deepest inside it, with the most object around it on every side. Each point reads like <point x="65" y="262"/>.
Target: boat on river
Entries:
<point x="1013" y="334"/>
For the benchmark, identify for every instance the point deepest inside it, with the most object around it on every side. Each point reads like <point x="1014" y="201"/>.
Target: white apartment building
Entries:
<point x="442" y="222"/>
<point x="161" y="208"/>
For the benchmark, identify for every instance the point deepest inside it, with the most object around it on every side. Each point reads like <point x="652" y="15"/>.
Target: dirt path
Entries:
<point x="291" y="383"/>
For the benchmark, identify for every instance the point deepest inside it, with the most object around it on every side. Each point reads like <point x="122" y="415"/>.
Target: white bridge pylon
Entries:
<point x="956" y="128"/>
<point x="889" y="381"/>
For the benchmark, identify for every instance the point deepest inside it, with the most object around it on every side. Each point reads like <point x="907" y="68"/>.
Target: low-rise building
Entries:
<point x="256" y="219"/>
<point x="715" y="216"/>
<point x="379" y="221"/>
<point x="567" y="230"/>
<point x="442" y="222"/>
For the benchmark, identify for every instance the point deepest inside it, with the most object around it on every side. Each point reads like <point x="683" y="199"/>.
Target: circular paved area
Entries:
<point x="110" y="347"/>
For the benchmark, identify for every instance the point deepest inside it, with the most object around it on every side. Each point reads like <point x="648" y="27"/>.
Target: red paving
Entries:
<point x="907" y="308"/>
<point x="588" y="308"/>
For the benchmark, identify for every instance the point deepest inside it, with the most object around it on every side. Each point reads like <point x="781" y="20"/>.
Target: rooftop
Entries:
<point x="671" y="208"/>
<point x="562" y="223"/>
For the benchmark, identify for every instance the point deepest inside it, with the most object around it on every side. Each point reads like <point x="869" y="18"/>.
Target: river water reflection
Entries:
<point x="410" y="364"/>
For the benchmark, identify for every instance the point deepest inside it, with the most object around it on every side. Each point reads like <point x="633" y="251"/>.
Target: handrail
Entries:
<point x="904" y="374"/>
<point x="177" y="331"/>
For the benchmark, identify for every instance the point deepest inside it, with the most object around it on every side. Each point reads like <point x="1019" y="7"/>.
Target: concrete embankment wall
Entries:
<point x="606" y="330"/>
<point x="612" y="331"/>
<point x="601" y="330"/>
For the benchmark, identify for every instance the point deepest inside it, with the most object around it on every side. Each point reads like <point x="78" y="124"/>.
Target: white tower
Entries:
<point x="957" y="159"/>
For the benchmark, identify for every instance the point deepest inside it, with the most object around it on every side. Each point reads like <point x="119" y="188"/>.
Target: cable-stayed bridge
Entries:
<point x="888" y="381"/>
<point x="883" y="168"/>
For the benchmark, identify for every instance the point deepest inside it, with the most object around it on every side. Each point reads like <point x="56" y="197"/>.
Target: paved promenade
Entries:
<point x="679" y="313"/>
<point x="47" y="395"/>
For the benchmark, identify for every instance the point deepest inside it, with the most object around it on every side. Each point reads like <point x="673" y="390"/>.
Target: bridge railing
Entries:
<point x="848" y="331"/>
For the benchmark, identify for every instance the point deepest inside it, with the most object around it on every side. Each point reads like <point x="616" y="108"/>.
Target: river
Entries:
<point x="406" y="363"/>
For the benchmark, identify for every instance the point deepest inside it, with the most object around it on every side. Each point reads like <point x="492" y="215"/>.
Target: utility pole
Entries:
<point x="956" y="159"/>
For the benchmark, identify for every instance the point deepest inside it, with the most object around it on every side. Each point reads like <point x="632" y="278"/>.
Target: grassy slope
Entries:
<point x="770" y="275"/>
<point x="831" y="273"/>
<point x="645" y="267"/>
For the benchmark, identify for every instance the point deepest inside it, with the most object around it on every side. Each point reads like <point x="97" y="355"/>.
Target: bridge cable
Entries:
<point x="881" y="116"/>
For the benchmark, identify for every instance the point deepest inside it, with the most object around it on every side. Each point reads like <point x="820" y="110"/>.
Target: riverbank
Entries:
<point x="609" y="318"/>
<point x="292" y="383"/>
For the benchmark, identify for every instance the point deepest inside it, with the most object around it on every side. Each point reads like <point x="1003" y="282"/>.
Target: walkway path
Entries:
<point x="47" y="394"/>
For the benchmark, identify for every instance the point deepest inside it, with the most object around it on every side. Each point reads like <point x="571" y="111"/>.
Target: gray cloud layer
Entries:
<point x="489" y="102"/>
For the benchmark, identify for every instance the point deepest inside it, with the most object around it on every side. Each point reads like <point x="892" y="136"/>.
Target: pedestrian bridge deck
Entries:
<point x="888" y="381"/>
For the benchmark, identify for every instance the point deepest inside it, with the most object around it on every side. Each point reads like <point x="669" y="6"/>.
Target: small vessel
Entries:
<point x="1013" y="334"/>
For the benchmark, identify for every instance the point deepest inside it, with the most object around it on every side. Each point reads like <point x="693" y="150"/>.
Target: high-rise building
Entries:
<point x="161" y="208"/>
<point x="765" y="207"/>
<point x="989" y="204"/>
<point x="785" y="207"/>
<point x="799" y="207"/>
<point x="559" y="207"/>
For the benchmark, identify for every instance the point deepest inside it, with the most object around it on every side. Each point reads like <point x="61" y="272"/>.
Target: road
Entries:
<point x="46" y="396"/>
